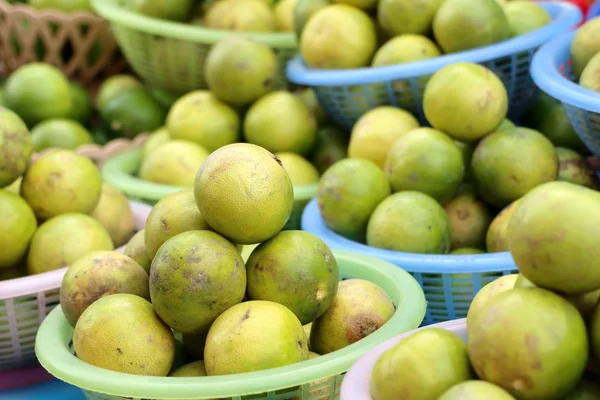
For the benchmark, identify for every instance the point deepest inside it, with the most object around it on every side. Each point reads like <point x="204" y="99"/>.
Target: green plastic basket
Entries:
<point x="170" y="55"/>
<point x="121" y="171"/>
<point x="316" y="379"/>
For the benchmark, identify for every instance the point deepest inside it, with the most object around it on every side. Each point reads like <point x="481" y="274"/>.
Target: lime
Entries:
<point x="81" y="107"/>
<point x="61" y="133"/>
<point x="114" y="85"/>
<point x="131" y="112"/>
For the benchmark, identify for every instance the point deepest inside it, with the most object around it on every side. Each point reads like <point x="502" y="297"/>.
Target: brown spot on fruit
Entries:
<point x="361" y="326"/>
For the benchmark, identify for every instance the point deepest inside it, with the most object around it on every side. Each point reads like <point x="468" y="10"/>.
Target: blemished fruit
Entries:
<point x="525" y="16"/>
<point x="114" y="213"/>
<point x="585" y="45"/>
<point x="275" y="334"/>
<point x="113" y="86"/>
<point x="122" y="333"/>
<point x="244" y="193"/>
<point x="405" y="48"/>
<point x="590" y="77"/>
<point x="496" y="240"/>
<point x="15" y="147"/>
<point x="573" y="168"/>
<point x="301" y="171"/>
<point x="61" y="181"/>
<point x="99" y="274"/>
<point x="61" y="133"/>
<point x="241" y="16"/>
<point x="428" y="362"/>
<point x="475" y="390"/>
<point x="469" y="220"/>
<point x="173" y="163"/>
<point x="136" y="249"/>
<point x="490" y="290"/>
<point x="17" y="228"/>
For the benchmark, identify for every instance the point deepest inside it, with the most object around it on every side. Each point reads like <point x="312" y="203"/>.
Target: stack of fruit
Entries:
<point x="585" y="55"/>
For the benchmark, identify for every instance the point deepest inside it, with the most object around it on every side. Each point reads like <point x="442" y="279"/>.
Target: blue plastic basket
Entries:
<point x="594" y="11"/>
<point x="551" y="71"/>
<point x="449" y="281"/>
<point x="346" y="95"/>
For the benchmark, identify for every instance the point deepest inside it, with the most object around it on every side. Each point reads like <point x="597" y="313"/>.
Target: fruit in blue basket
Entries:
<point x="81" y="103"/>
<point x="325" y="43"/>
<point x="136" y="249"/>
<point x="466" y="251"/>
<point x="67" y="6"/>
<point x="475" y="390"/>
<point x="201" y="118"/>
<point x="500" y="285"/>
<point x="115" y="214"/>
<point x="241" y="16"/>
<point x="410" y="222"/>
<point x="284" y="15"/>
<point x="175" y="10"/>
<point x="244" y="193"/>
<point x="587" y="389"/>
<point x="485" y="21"/>
<point x="15" y="147"/>
<point x="98" y="274"/>
<point x="194" y="277"/>
<point x="330" y="146"/>
<point x="508" y="164"/>
<point x="304" y="10"/>
<point x="64" y="239"/>
<point x="113" y="86"/>
<point x="254" y="336"/>
<point x="466" y="149"/>
<point x="240" y="70"/>
<point x="553" y="252"/>
<point x="590" y="77"/>
<point x="61" y="181"/>
<point x="277" y="265"/>
<point x="526" y="16"/>
<point x="404" y="49"/>
<point x="173" y="163"/>
<point x="155" y="140"/>
<point x="467" y="101"/>
<point x="38" y="91"/>
<point x="59" y="133"/>
<point x="469" y="220"/>
<point x="531" y="342"/>
<point x="495" y="239"/>
<point x="172" y="215"/>
<point x="585" y="45"/>
<point x="377" y="130"/>
<point x="195" y="368"/>
<point x="359" y="309"/>
<point x="349" y="192"/>
<point x="399" y="17"/>
<point x="572" y="167"/>
<point x="122" y="333"/>
<point x="17" y="229"/>
<point x="421" y="366"/>
<point x="301" y="171"/>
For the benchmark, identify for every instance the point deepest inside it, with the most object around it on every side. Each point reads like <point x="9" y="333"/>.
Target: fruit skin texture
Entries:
<point x="122" y="333"/>
<point x="467" y="101"/>
<point x="325" y="43"/>
<point x="573" y="168"/>
<point x="495" y="239"/>
<point x="15" y="147"/>
<point x="244" y="193"/>
<point x="240" y="16"/>
<point x="500" y="285"/>
<point x="475" y="390"/>
<point x="405" y="48"/>
<point x="276" y="266"/>
<point x="301" y="171"/>
<point x="411" y="222"/>
<point x="399" y="17"/>
<point x="508" y="164"/>
<point x="421" y="367"/>
<point x="585" y="45"/>
<point x="115" y="214"/>
<point x="348" y="193"/>
<point x="254" y="336"/>
<point x="61" y="181"/>
<point x="469" y="220"/>
<point x="359" y="309"/>
<point x="136" y="249"/>
<point x="113" y="86"/>
<point x="555" y="253"/>
<point x="194" y="277"/>
<point x="17" y="228"/>
<point x="525" y="17"/>
<point x="98" y="274"/>
<point x="174" y="163"/>
<point x="59" y="132"/>
<point x="239" y="70"/>
<point x="590" y="77"/>
<point x="284" y="15"/>
<point x="132" y="111"/>
<point x="530" y="342"/>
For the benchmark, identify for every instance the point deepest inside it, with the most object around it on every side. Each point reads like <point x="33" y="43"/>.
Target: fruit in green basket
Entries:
<point x="15" y="147"/>
<point x="195" y="368"/>
<point x="61" y="181"/>
<point x="467" y="101"/>
<point x="284" y="15"/>
<point x="359" y="309"/>
<point x="280" y="122"/>
<point x="155" y="140"/>
<point x="122" y="333"/>
<point x="113" y="86"/>
<point x="201" y="118"/>
<point x="425" y="160"/>
<point x="59" y="133"/>
<point x="325" y="42"/>
<point x="173" y="163"/>
<point x="195" y="276"/>
<point x="590" y="77"/>
<point x="81" y="103"/>
<point x="469" y="220"/>
<point x="587" y="389"/>
<point x="38" y="91"/>
<point x="572" y="167"/>
<point x="98" y="274"/>
<point x="172" y="215"/>
<point x="526" y="16"/>
<point x="348" y="193"/>
<point x="553" y="252"/>
<point x="466" y="251"/>
<point x="399" y="17"/>
<point x="377" y="130"/>
<point x="275" y="334"/>
<point x="304" y="10"/>
<point x="531" y="342"/>
<point x="330" y="146"/>
<point x="410" y="222"/>
<point x="500" y="285"/>
<point x="301" y="171"/>
<point x="404" y="49"/>
<point x="244" y="193"/>
<point x="241" y="16"/>
<point x="484" y="19"/>
<point x="64" y="239"/>
<point x="115" y="214"/>
<point x="421" y="367"/>
<point x="67" y="6"/>
<point x="277" y="265"/>
<point x="496" y="240"/>
<point x="475" y="390"/>
<point x="175" y="10"/>
<point x="508" y="164"/>
<point x="136" y="249"/>
<point x="585" y="45"/>
<point x="17" y="229"/>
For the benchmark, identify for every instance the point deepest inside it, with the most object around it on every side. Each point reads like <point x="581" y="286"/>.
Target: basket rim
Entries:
<point x="566" y="16"/>
<point x="116" y="14"/>
<point x="415" y="263"/>
<point x="118" y="171"/>
<point x="54" y="336"/>
<point x="546" y="75"/>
